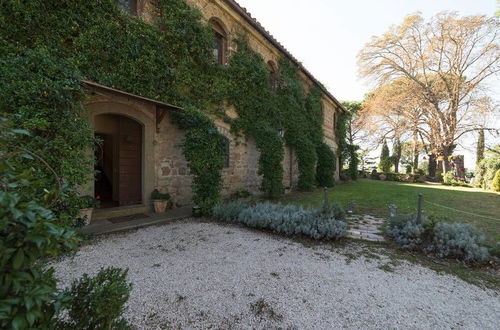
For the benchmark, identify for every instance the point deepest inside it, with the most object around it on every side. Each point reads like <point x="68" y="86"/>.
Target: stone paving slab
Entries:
<point x="105" y="227"/>
<point x="365" y="227"/>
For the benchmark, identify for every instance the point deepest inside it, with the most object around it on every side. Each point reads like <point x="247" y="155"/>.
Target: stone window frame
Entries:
<point x="273" y="75"/>
<point x="222" y="40"/>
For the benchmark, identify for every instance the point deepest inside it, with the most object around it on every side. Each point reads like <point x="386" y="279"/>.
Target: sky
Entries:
<point x="326" y="35"/>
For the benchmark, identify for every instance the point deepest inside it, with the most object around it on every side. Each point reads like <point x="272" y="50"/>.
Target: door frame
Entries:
<point x="144" y="115"/>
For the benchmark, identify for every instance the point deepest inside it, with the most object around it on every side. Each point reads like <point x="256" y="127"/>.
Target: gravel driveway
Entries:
<point x="195" y="275"/>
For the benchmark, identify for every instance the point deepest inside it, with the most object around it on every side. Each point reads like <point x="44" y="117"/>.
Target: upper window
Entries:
<point x="273" y="75"/>
<point x="220" y="42"/>
<point x="130" y="6"/>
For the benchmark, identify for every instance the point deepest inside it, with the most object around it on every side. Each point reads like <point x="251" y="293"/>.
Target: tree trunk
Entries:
<point x="432" y="165"/>
<point x="447" y="152"/>
<point x="446" y="164"/>
<point x="415" y="152"/>
<point x="480" y="147"/>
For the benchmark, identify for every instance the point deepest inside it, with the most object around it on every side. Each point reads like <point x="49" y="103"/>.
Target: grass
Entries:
<point x="373" y="197"/>
<point x="484" y="277"/>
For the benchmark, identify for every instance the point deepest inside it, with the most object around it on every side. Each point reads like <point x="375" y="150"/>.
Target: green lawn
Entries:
<point x="373" y="197"/>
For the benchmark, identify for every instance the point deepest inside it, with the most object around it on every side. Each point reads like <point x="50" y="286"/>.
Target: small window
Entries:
<point x="220" y="42"/>
<point x="129" y="6"/>
<point x="227" y="148"/>
<point x="334" y="122"/>
<point x="273" y="75"/>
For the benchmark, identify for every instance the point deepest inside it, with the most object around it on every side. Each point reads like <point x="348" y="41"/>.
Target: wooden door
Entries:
<point x="129" y="162"/>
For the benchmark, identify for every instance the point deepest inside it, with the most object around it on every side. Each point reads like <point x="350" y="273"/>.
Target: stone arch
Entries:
<point x="273" y="75"/>
<point x="144" y="115"/>
<point x="221" y="41"/>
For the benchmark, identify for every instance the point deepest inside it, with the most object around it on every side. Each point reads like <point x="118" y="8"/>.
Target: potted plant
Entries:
<point x="87" y="204"/>
<point x="160" y="201"/>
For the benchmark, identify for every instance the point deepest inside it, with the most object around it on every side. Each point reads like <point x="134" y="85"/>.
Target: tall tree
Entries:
<point x="396" y="153"/>
<point x="349" y="135"/>
<point x="480" y="147"/>
<point x="385" y="162"/>
<point x="395" y="111"/>
<point x="449" y="58"/>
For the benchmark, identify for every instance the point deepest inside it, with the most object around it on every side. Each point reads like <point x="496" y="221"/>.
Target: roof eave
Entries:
<point x="256" y="25"/>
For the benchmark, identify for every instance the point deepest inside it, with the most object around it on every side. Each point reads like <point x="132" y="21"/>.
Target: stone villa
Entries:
<point x="140" y="150"/>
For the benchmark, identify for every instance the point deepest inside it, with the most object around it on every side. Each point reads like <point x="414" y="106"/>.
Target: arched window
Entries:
<point x="129" y="6"/>
<point x="273" y="75"/>
<point x="220" y="41"/>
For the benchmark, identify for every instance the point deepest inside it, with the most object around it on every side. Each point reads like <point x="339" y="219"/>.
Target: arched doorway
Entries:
<point x="118" y="160"/>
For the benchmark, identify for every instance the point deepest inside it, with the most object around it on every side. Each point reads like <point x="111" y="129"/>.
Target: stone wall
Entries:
<point x="171" y="172"/>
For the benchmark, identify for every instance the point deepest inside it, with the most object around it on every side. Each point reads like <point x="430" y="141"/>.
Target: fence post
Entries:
<point x="419" y="212"/>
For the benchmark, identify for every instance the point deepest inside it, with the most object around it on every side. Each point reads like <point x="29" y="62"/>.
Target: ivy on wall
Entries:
<point x="201" y="142"/>
<point x="100" y="42"/>
<point x="249" y="90"/>
<point x="262" y="111"/>
<point x="97" y="41"/>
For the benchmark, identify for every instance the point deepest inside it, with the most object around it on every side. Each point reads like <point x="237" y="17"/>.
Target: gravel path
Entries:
<point x="193" y="275"/>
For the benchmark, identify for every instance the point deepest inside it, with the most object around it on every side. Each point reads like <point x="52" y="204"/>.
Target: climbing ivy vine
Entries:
<point x="262" y="111"/>
<point x="98" y="41"/>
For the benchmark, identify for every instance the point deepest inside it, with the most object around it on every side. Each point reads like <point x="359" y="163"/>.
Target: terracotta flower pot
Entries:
<point x="160" y="205"/>
<point x="86" y="215"/>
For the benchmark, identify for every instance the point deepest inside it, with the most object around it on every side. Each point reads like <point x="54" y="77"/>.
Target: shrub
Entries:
<point x="86" y="201"/>
<point x="156" y="195"/>
<point x="495" y="185"/>
<point x="97" y="302"/>
<point x="448" y="177"/>
<point x="420" y="171"/>
<point x="325" y="166"/>
<point x="374" y="175"/>
<point x="321" y="223"/>
<point x="487" y="168"/>
<point x="459" y="240"/>
<point x="29" y="232"/>
<point x="228" y="212"/>
<point x="406" y="231"/>
<point x="446" y="240"/>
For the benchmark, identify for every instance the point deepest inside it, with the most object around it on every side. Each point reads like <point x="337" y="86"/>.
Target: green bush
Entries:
<point x="448" y="177"/>
<point x="487" y="168"/>
<point x="97" y="302"/>
<point x="29" y="232"/>
<point x="325" y="167"/>
<point x="322" y="223"/>
<point x="446" y="240"/>
<point x="156" y="195"/>
<point x="407" y="231"/>
<point x="495" y="185"/>
<point x="203" y="148"/>
<point x="459" y="240"/>
<point x="228" y="212"/>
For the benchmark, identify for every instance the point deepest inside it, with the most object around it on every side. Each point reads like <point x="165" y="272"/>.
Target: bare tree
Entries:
<point x="449" y="58"/>
<point x="395" y="111"/>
